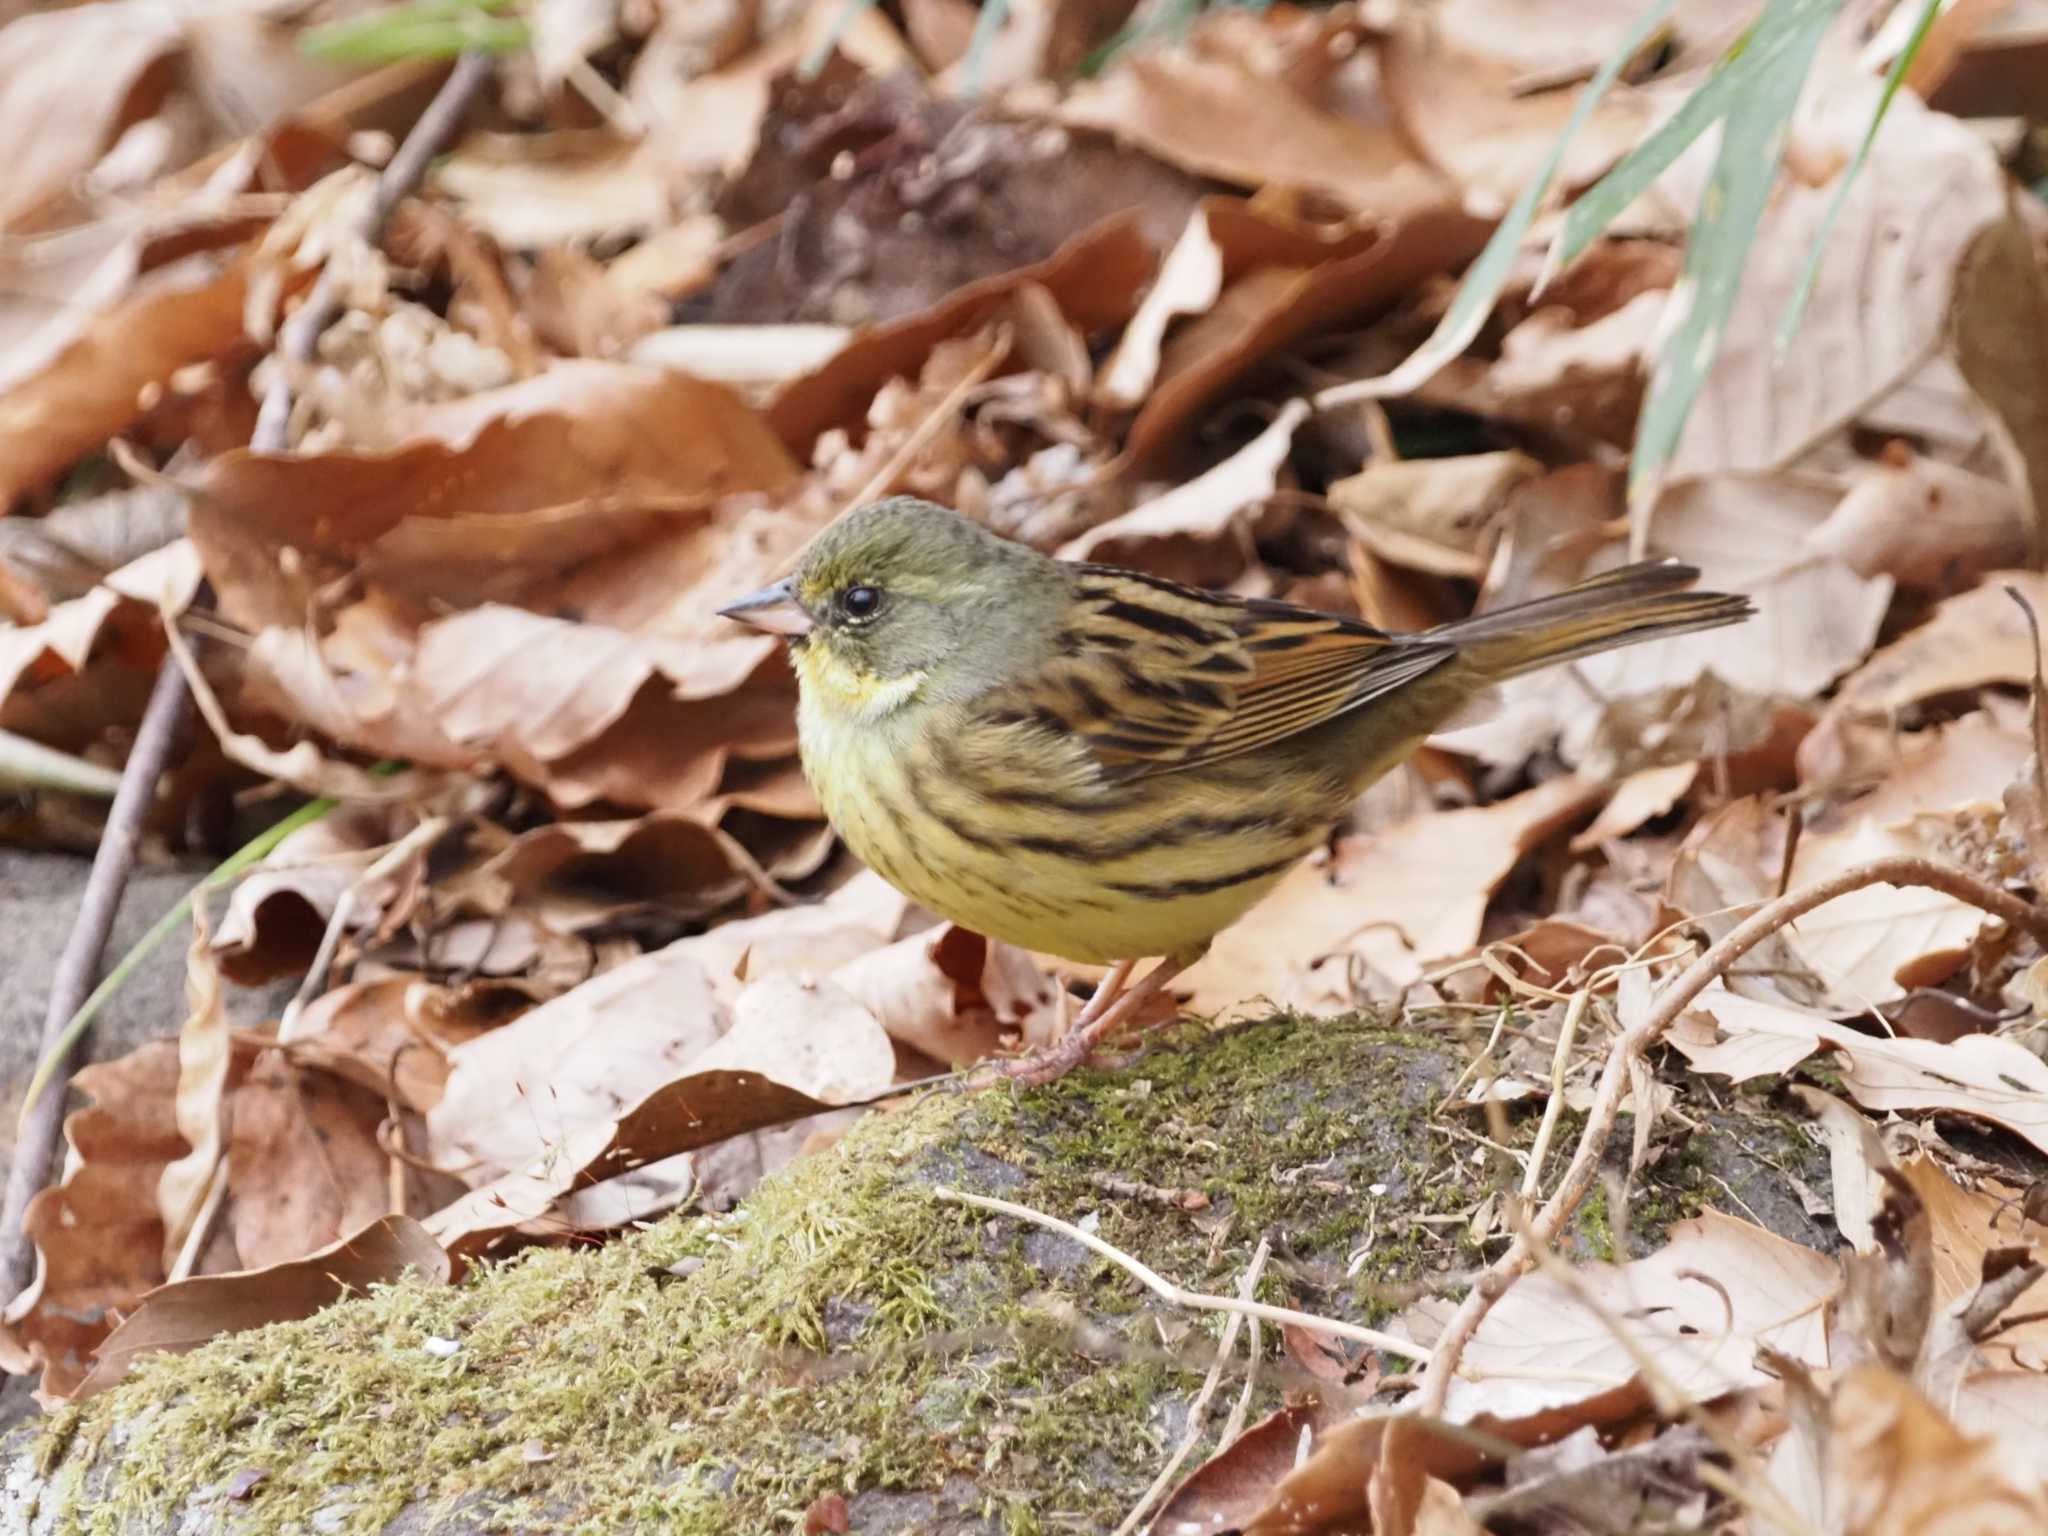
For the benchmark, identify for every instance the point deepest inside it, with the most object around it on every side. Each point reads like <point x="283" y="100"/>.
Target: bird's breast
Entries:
<point x="1014" y="835"/>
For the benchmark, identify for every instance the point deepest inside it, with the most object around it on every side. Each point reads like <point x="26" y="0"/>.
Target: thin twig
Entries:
<point x="42" y="1121"/>
<point x="1199" y="1409"/>
<point x="1553" y="1109"/>
<point x="1167" y="1291"/>
<point x="400" y="178"/>
<point x="1542" y="1230"/>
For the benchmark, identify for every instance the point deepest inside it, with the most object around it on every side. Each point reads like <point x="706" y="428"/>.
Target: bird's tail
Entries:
<point x="1646" y="601"/>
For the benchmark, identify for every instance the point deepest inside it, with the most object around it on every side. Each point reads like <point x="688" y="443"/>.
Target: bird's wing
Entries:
<point x="1154" y="677"/>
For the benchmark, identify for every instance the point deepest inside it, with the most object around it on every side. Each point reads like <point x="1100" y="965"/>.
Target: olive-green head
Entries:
<point x="902" y="589"/>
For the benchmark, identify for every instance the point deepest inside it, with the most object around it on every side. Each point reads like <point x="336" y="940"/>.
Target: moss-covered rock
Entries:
<point x="846" y="1331"/>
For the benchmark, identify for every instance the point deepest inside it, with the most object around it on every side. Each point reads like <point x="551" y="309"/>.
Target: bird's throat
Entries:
<point x="835" y="687"/>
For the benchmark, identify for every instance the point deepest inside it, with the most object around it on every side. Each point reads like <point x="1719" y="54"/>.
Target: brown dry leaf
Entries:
<point x="1984" y="1077"/>
<point x="1642" y="796"/>
<point x="394" y="1035"/>
<point x="1703" y="1336"/>
<point x="953" y="995"/>
<point x="72" y="80"/>
<point x="92" y="661"/>
<point x="1095" y="279"/>
<point x="1308" y="281"/>
<point x="99" y="1241"/>
<point x="1388" y="902"/>
<point x="305" y="1164"/>
<point x="1202" y="511"/>
<point x="1965" y="1226"/>
<point x="1464" y="116"/>
<point x="1924" y="523"/>
<point x="1984" y="58"/>
<point x="188" y="1313"/>
<point x="278" y="910"/>
<point x="790" y="1050"/>
<point x="1229" y="1490"/>
<point x="576" y="187"/>
<point x="1231" y="116"/>
<point x="205" y="1053"/>
<point x="2000" y="330"/>
<point x="1881" y="307"/>
<point x="492" y="497"/>
<point x="1894" y="1466"/>
<point x="100" y="382"/>
<point x="1974" y="638"/>
<point x="1432" y="515"/>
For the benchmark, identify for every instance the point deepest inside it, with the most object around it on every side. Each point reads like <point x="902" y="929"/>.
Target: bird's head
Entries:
<point x="902" y="599"/>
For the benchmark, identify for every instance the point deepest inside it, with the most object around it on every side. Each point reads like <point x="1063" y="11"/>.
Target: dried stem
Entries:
<point x="1166" y="1290"/>
<point x="1542" y="1230"/>
<point x="35" y="1148"/>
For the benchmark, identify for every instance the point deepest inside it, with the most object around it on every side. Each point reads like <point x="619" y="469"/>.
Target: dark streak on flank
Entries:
<point x="1182" y="831"/>
<point x="1174" y="889"/>
<point x="1224" y="664"/>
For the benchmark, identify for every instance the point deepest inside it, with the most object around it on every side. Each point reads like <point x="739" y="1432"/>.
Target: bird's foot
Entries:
<point x="1096" y="1023"/>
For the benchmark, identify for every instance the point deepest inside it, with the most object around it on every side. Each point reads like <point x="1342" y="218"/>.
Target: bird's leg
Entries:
<point x="1047" y="1066"/>
<point x="1107" y="991"/>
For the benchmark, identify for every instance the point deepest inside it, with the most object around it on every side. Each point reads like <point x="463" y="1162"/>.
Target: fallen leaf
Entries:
<point x="188" y="1313"/>
<point x="1388" y="902"/>
<point x="2000" y="328"/>
<point x="1881" y="305"/>
<point x="1983" y="1077"/>
<point x="1702" y="1336"/>
<point x="1896" y="1467"/>
<point x="1433" y="515"/>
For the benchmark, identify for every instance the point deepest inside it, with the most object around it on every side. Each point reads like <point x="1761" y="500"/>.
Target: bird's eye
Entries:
<point x="860" y="602"/>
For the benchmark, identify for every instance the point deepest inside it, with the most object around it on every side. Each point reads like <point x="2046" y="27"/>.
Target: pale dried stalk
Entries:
<point x="1543" y="1228"/>
<point x="1167" y="1291"/>
<point x="1199" y="1409"/>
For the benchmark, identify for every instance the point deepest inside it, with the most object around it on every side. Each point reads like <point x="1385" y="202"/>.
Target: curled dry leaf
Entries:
<point x="1895" y="1466"/>
<point x="304" y="1167"/>
<point x="1095" y="278"/>
<point x="1983" y="1077"/>
<point x="1201" y="512"/>
<point x="92" y="661"/>
<point x="1701" y="1334"/>
<point x="1387" y="902"/>
<point x="1236" y="118"/>
<point x="1432" y="515"/>
<point x="1882" y="304"/>
<point x="1976" y="637"/>
<point x="189" y="1313"/>
<point x="792" y="1050"/>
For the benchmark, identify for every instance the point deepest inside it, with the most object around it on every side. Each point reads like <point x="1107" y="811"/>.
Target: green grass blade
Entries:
<point x="993" y="14"/>
<point x="432" y="29"/>
<point x="1796" y="309"/>
<point x="1731" y="208"/>
<point x="1488" y="275"/>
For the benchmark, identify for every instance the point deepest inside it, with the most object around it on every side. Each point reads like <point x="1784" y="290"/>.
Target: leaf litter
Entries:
<point x="678" y="301"/>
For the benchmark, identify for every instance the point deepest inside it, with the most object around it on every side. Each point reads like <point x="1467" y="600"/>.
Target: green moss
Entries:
<point x="843" y="1331"/>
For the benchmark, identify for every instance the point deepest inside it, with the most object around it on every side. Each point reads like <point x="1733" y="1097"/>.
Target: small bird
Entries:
<point x="1102" y="765"/>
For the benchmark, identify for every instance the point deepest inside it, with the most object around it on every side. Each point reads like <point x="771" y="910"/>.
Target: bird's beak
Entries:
<point x="774" y="609"/>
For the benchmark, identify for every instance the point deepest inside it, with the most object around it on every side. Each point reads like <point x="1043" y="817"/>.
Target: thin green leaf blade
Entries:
<point x="1795" y="310"/>
<point x="1488" y="275"/>
<point x="1731" y="210"/>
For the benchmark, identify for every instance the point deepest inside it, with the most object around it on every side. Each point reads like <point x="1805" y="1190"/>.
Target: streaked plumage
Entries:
<point x="1103" y="765"/>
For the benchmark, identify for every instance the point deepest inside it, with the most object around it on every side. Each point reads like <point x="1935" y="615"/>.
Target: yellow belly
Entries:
<point x="1157" y="874"/>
